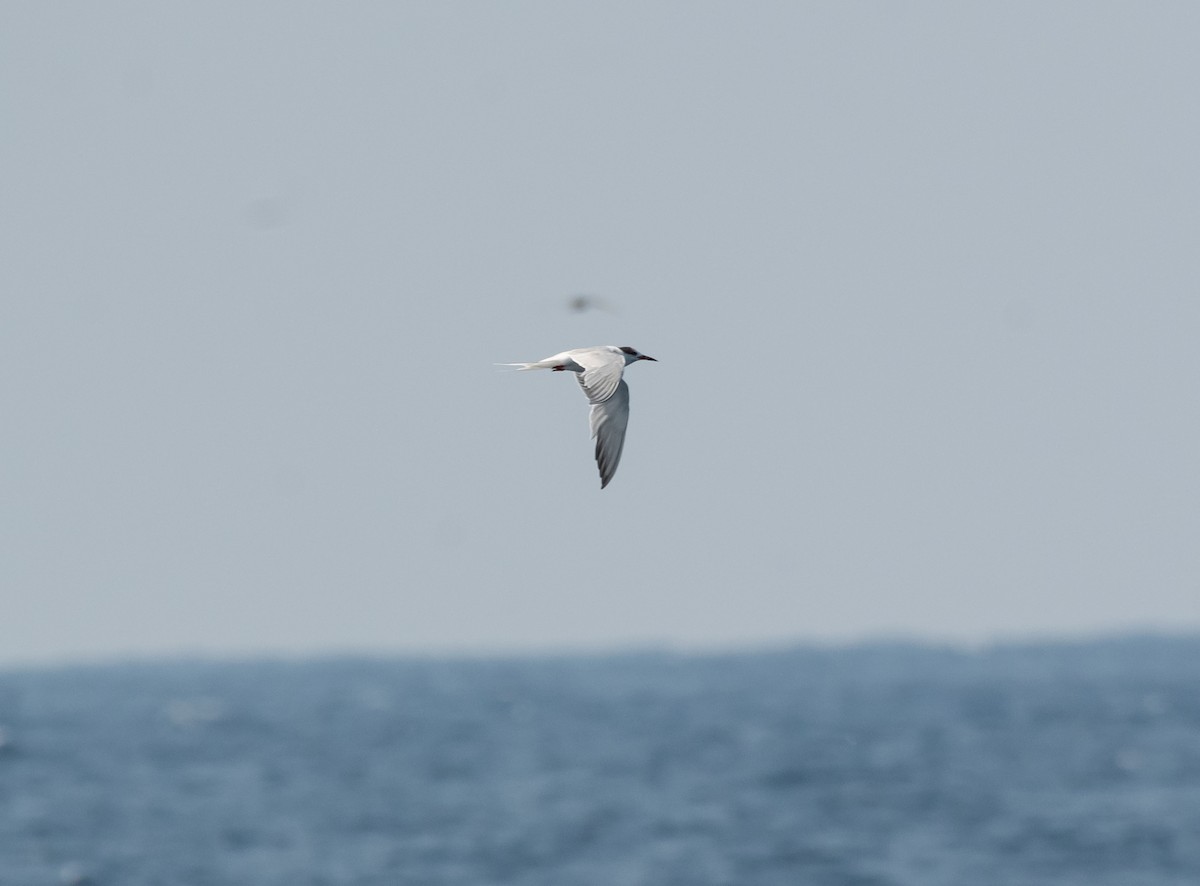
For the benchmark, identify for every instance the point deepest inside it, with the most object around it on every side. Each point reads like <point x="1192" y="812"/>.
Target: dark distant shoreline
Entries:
<point x="1148" y="646"/>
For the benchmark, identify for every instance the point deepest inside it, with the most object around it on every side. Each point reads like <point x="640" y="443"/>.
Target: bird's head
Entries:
<point x="632" y="356"/>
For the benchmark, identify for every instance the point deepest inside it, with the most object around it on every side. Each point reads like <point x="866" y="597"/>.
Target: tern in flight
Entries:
<point x="598" y="371"/>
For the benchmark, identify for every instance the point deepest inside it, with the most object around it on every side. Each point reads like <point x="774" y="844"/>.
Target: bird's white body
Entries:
<point x="600" y="372"/>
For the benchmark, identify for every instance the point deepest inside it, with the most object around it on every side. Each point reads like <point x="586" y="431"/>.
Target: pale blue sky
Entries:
<point x="923" y="280"/>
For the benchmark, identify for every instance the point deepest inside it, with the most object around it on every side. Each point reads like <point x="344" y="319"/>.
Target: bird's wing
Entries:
<point x="601" y="374"/>
<point x="610" y="418"/>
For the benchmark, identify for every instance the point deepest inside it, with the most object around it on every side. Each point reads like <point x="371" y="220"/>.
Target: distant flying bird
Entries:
<point x="584" y="302"/>
<point x="599" y="374"/>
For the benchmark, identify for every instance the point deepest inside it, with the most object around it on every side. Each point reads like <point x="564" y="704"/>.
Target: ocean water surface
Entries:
<point x="1064" y="764"/>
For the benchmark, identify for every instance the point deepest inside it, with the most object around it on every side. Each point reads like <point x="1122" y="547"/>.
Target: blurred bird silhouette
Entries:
<point x="584" y="302"/>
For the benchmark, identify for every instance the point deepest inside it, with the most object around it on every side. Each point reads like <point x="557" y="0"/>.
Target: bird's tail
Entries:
<point x="543" y="364"/>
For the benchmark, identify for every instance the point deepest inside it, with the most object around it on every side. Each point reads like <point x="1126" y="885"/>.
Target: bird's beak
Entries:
<point x="644" y="357"/>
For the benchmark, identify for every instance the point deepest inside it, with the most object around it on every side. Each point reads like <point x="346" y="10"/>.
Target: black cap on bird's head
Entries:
<point x="632" y="352"/>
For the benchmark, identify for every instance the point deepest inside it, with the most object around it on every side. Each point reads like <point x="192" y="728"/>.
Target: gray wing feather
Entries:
<point x="610" y="418"/>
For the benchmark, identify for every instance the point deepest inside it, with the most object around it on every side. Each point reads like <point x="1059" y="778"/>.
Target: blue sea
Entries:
<point x="878" y="765"/>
